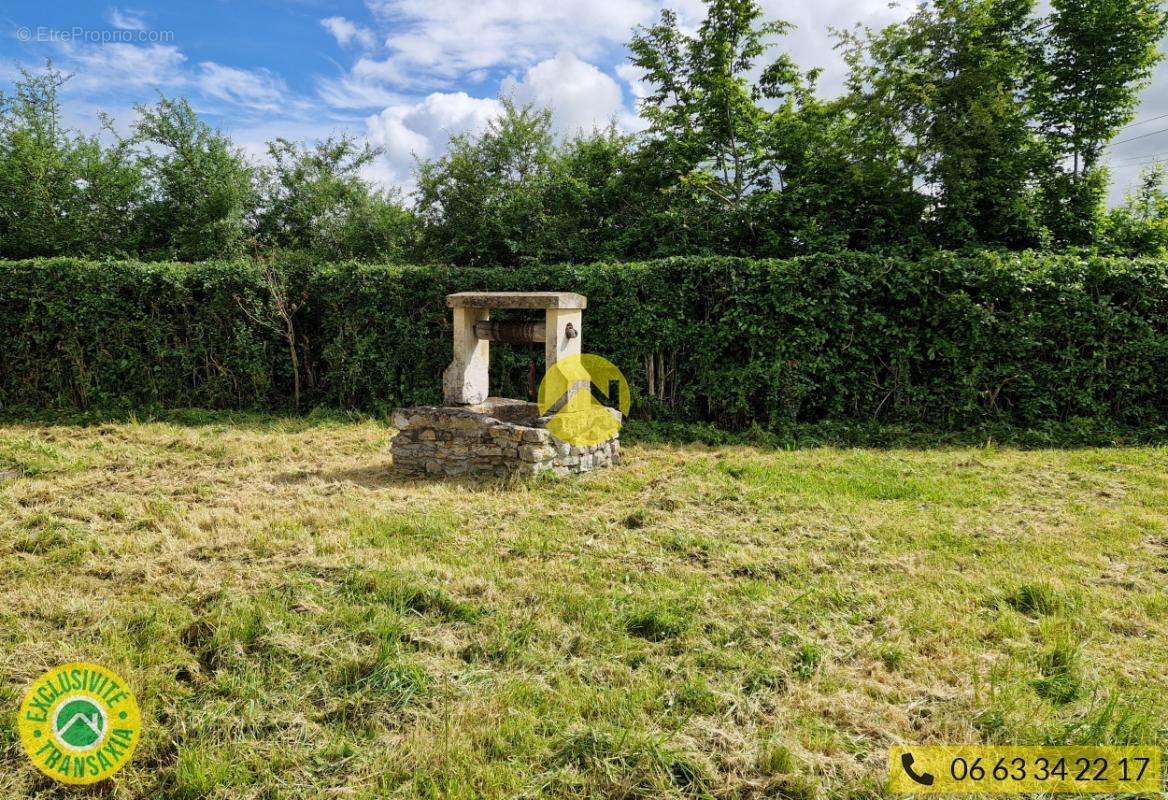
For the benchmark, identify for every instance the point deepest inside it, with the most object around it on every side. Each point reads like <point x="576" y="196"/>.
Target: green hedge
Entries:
<point x="950" y="340"/>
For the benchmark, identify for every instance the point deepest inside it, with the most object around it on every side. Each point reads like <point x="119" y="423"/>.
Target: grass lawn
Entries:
<point x="703" y="621"/>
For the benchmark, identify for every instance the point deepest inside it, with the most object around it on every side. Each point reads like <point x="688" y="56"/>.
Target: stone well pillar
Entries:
<point x="465" y="382"/>
<point x="562" y="334"/>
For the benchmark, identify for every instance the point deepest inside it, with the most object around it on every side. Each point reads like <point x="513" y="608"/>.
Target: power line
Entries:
<point x="1140" y="157"/>
<point x="1142" y="121"/>
<point x="1148" y="163"/>
<point x="1132" y="157"/>
<point x="1142" y="136"/>
<point x="1142" y="161"/>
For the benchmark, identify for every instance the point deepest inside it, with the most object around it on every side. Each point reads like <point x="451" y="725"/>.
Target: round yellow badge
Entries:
<point x="79" y="723"/>
<point x="565" y="395"/>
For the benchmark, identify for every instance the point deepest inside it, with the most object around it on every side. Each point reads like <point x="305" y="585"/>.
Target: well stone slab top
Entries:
<point x="516" y="300"/>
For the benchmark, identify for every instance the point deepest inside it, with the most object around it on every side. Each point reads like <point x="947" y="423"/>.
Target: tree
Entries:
<point x="592" y="201"/>
<point x="201" y="184"/>
<point x="314" y="199"/>
<point x="742" y="157"/>
<point x="482" y="202"/>
<point x="707" y="128"/>
<point x="1093" y="58"/>
<point x="839" y="183"/>
<point x="951" y="82"/>
<point x="61" y="192"/>
<point x="37" y="169"/>
<point x="1139" y="227"/>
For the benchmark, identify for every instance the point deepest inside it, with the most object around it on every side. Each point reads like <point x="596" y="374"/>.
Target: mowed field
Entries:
<point x="298" y="622"/>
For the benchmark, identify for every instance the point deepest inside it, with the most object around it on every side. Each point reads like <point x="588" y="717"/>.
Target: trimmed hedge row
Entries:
<point x="950" y="340"/>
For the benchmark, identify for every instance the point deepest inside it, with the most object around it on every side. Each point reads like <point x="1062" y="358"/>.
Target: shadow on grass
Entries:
<point x="1069" y="434"/>
<point x="381" y="476"/>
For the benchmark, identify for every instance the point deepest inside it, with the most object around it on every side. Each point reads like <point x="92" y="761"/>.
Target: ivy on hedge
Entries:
<point x="949" y="340"/>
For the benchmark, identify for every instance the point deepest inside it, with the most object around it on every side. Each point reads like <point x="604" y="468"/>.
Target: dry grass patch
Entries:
<point x="722" y="622"/>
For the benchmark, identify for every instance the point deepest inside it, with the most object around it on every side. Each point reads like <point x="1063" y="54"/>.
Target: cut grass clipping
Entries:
<point x="705" y="621"/>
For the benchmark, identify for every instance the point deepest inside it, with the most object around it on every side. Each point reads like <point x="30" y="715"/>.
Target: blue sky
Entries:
<point x="403" y="74"/>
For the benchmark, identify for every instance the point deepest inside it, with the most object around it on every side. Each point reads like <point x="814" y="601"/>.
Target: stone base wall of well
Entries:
<point x="499" y="437"/>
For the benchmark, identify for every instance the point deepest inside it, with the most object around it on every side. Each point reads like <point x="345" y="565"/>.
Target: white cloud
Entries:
<point x="349" y="92"/>
<point x="126" y="19"/>
<point x="119" y="66"/>
<point x="423" y="129"/>
<point x="109" y="70"/>
<point x="438" y="45"/>
<point x="580" y="96"/>
<point x="445" y="39"/>
<point x="374" y="71"/>
<point x="634" y="76"/>
<point x="347" y="32"/>
<point x="256" y="89"/>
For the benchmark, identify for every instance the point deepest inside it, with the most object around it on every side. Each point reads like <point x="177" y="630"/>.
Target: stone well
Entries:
<point x="497" y="437"/>
<point x="473" y="434"/>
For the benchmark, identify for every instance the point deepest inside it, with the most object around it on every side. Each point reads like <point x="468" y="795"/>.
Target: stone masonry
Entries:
<point x="497" y="437"/>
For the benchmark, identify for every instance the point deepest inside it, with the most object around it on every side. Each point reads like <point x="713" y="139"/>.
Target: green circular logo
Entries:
<point x="79" y="723"/>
